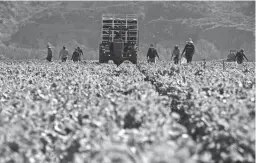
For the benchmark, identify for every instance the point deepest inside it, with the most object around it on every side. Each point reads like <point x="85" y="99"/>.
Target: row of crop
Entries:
<point x="67" y="112"/>
<point x="216" y="107"/>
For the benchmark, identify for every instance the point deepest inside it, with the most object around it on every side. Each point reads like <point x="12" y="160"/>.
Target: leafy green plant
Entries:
<point x="146" y="113"/>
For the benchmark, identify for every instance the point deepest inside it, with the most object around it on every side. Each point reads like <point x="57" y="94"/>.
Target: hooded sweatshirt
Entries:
<point x="64" y="53"/>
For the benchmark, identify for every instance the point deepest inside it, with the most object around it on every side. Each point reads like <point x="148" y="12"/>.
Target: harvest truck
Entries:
<point x="231" y="56"/>
<point x="119" y="38"/>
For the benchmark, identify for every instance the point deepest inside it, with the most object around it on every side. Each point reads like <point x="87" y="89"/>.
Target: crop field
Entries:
<point x="146" y="113"/>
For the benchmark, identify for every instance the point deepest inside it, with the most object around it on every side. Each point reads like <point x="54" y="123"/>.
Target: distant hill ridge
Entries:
<point x="215" y="27"/>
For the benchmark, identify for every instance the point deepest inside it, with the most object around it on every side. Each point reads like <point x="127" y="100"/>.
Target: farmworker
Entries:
<point x="76" y="55"/>
<point x="118" y="35"/>
<point x="189" y="50"/>
<point x="152" y="54"/>
<point x="80" y="53"/>
<point x="49" y="53"/>
<point x="64" y="54"/>
<point x="239" y="58"/>
<point x="176" y="54"/>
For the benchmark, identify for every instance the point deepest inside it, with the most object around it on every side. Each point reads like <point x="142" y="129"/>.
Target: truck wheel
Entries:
<point x="101" y="61"/>
<point x="101" y="57"/>
<point x="134" y="60"/>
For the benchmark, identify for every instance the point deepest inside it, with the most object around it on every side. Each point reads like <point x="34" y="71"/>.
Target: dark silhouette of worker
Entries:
<point x="80" y="52"/>
<point x="75" y="56"/>
<point x="176" y="54"/>
<point x="118" y="35"/>
<point x="239" y="58"/>
<point x="189" y="50"/>
<point x="152" y="54"/>
<point x="49" y="53"/>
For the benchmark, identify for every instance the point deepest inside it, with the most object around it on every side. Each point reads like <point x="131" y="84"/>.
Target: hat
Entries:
<point x="48" y="46"/>
<point x="190" y="40"/>
<point x="241" y="50"/>
<point x="151" y="45"/>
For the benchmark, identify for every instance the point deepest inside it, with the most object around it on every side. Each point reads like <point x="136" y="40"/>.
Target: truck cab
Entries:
<point x="231" y="56"/>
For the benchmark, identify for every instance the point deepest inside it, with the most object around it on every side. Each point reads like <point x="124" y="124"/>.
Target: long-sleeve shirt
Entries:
<point x="49" y="54"/>
<point x="80" y="51"/>
<point x="75" y="56"/>
<point x="152" y="53"/>
<point x="240" y="56"/>
<point x="176" y="53"/>
<point x="64" y="53"/>
<point x="189" y="48"/>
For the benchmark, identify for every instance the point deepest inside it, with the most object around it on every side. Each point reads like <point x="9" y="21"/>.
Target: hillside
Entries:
<point x="215" y="27"/>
